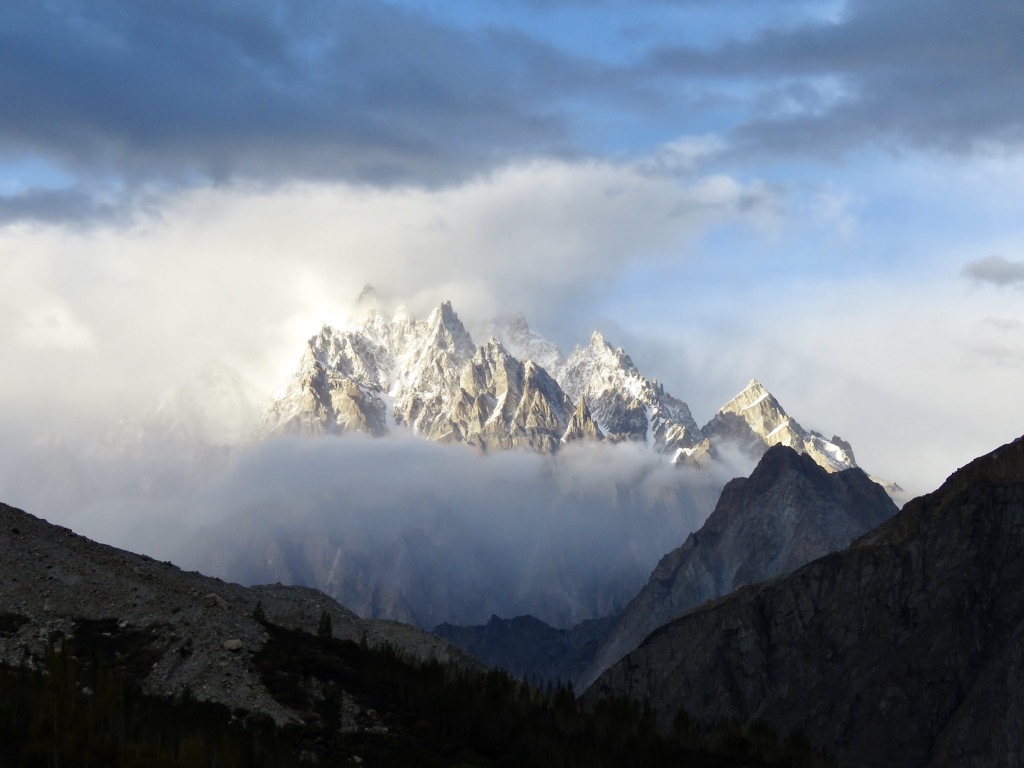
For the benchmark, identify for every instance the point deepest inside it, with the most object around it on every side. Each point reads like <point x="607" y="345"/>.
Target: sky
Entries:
<point x="821" y="195"/>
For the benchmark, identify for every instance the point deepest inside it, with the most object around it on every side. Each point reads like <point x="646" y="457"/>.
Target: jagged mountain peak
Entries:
<point x="446" y="331"/>
<point x="752" y="395"/>
<point x="755" y="420"/>
<point x="602" y="351"/>
<point x="625" y="404"/>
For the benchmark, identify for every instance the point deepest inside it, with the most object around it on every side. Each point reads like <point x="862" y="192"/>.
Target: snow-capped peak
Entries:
<point x="625" y="404"/>
<point x="754" y="418"/>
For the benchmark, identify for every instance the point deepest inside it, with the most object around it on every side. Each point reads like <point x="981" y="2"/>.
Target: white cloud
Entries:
<point x="246" y="273"/>
<point x="52" y="325"/>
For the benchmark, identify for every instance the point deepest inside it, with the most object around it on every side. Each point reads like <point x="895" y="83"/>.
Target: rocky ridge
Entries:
<point x="429" y="377"/>
<point x="903" y="650"/>
<point x="789" y="512"/>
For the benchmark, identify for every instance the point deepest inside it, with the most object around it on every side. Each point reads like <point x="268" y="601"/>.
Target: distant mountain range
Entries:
<point x="385" y="373"/>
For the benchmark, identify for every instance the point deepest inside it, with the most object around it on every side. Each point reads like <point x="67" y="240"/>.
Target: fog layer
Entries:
<point x="396" y="527"/>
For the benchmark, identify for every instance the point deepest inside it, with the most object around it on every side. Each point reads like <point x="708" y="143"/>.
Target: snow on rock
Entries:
<point x="627" y="405"/>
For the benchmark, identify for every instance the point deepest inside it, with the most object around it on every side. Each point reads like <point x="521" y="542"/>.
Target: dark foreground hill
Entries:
<point x="111" y="658"/>
<point x="905" y="650"/>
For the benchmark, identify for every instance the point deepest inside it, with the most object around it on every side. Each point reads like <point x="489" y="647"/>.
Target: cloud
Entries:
<point x="53" y="326"/>
<point x="356" y="89"/>
<point x="917" y="74"/>
<point x="65" y="206"/>
<point x="995" y="270"/>
<point x="246" y="274"/>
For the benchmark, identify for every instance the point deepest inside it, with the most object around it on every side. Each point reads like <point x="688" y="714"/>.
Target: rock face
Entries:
<point x="505" y="404"/>
<point x="788" y="512"/>
<point x="582" y="425"/>
<point x="904" y="650"/>
<point x="200" y="630"/>
<point x="336" y="389"/>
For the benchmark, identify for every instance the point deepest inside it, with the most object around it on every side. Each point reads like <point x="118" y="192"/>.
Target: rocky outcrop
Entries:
<point x="788" y="512"/>
<point x="427" y="386"/>
<point x="905" y="650"/>
<point x="200" y="633"/>
<point x="582" y="425"/>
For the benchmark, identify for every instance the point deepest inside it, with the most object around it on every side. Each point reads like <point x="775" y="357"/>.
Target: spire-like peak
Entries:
<point x="447" y="331"/>
<point x="597" y="339"/>
<point x="445" y="314"/>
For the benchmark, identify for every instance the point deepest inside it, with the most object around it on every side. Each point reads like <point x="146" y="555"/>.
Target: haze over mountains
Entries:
<point x="788" y="512"/>
<point x="529" y="471"/>
<point x="603" y="460"/>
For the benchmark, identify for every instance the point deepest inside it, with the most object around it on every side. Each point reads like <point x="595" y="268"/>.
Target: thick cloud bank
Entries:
<point x="399" y="527"/>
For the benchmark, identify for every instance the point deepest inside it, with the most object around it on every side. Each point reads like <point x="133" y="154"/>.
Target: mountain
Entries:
<point x="904" y="650"/>
<point x="755" y="421"/>
<point x="789" y="512"/>
<point x="337" y="388"/>
<point x="504" y="403"/>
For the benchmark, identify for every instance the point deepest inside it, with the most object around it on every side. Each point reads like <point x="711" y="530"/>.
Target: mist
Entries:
<point x="396" y="527"/>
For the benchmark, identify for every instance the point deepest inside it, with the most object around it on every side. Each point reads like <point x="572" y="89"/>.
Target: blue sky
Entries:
<point x="824" y="195"/>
